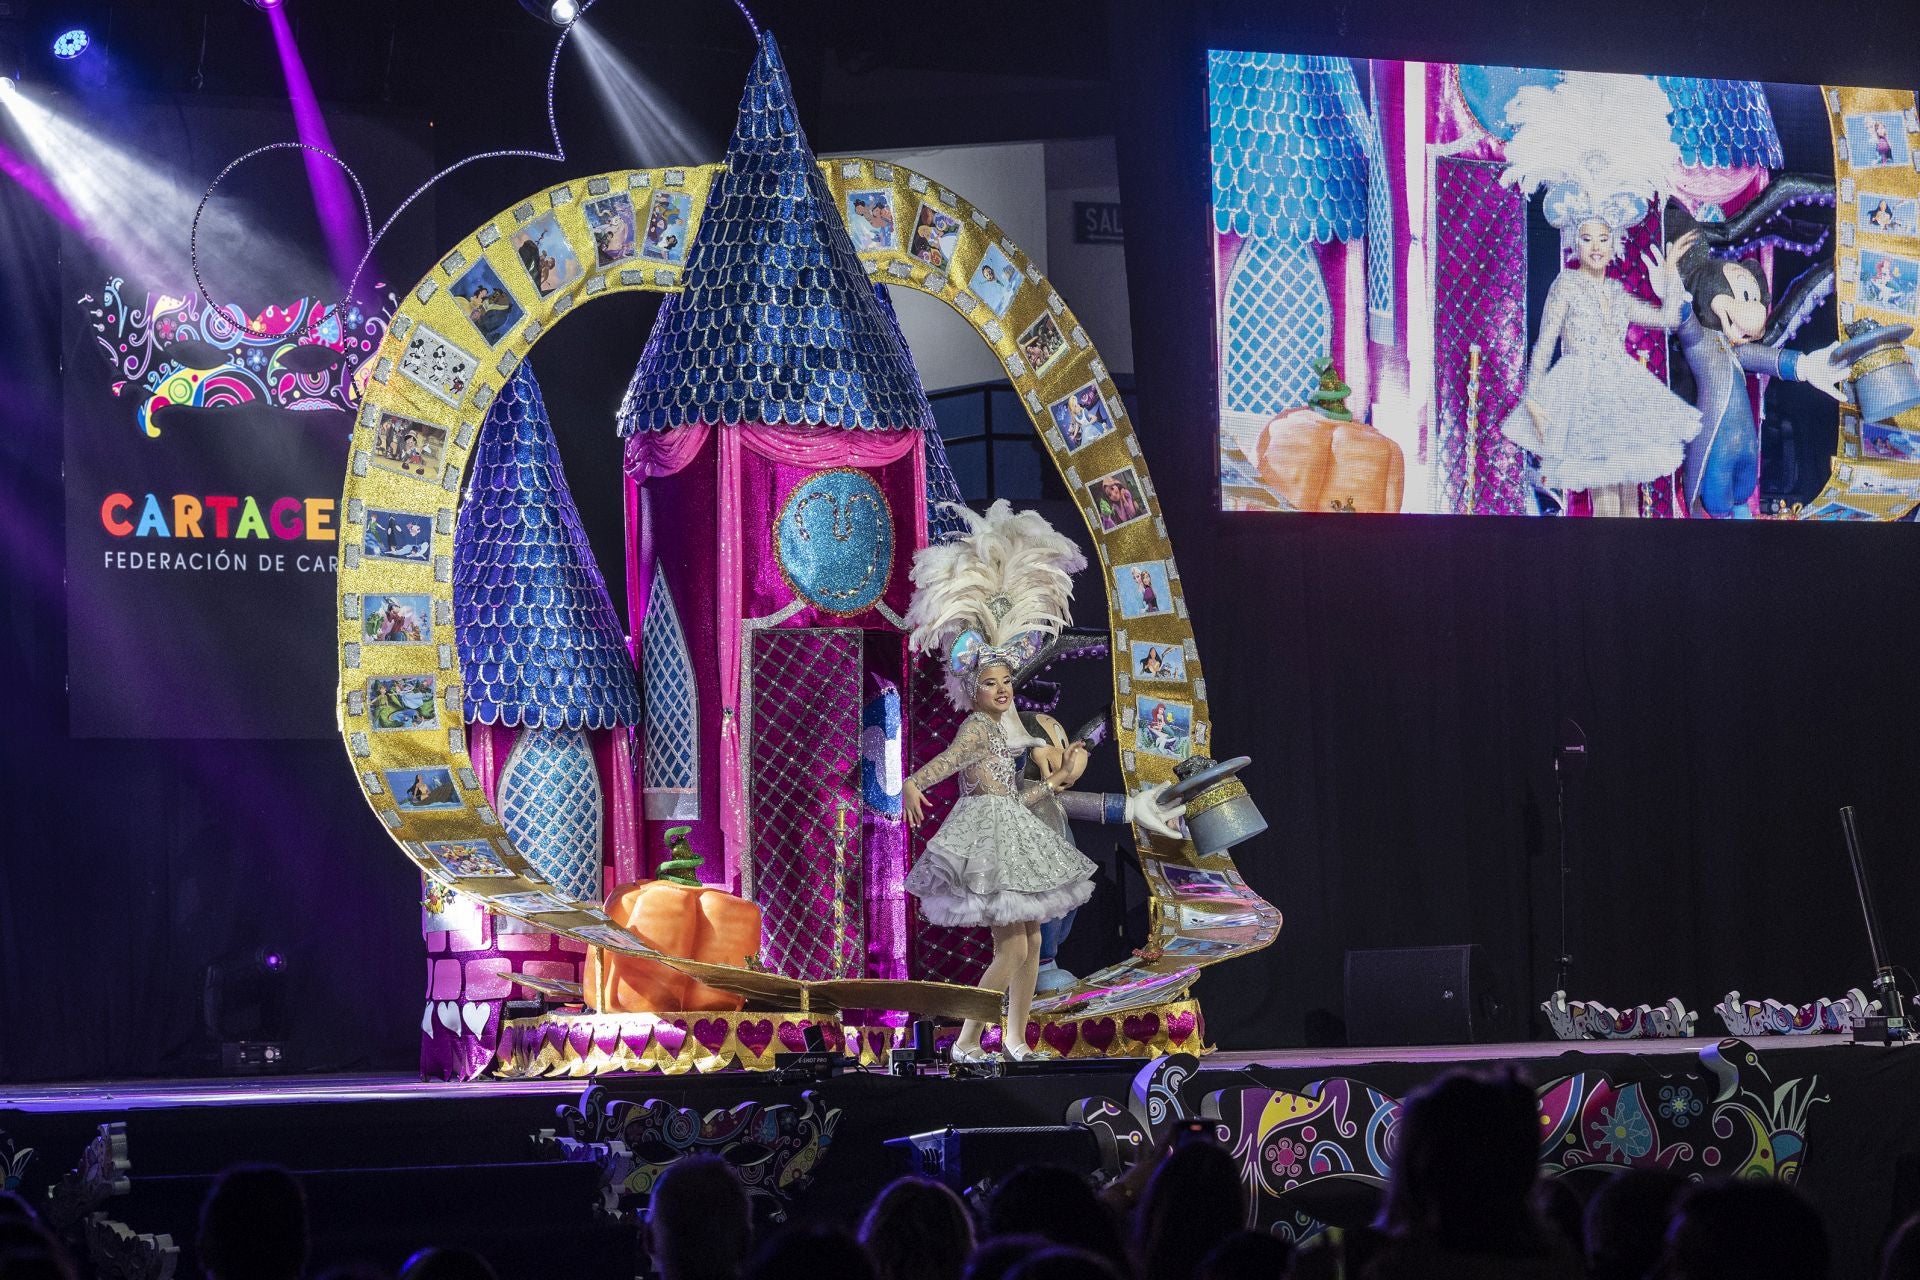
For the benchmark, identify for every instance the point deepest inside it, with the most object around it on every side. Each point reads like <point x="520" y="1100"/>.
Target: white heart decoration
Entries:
<point x="475" y="1016"/>
<point x="426" y="1020"/>
<point x="449" y="1014"/>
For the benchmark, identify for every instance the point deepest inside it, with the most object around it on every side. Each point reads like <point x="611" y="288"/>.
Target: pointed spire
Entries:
<point x="777" y="321"/>
<point x="540" y="643"/>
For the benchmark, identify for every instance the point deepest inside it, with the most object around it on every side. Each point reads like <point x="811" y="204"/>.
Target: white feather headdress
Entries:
<point x="1602" y="146"/>
<point x="994" y="595"/>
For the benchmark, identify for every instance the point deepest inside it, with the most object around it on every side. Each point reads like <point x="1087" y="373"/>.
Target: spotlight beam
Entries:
<point x="653" y="131"/>
<point x="330" y="199"/>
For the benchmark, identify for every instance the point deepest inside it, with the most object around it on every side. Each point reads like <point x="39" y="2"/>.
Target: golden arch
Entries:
<point x="431" y="384"/>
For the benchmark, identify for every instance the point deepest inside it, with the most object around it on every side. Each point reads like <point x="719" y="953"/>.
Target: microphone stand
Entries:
<point x="1891" y="1027"/>
<point x="1571" y="754"/>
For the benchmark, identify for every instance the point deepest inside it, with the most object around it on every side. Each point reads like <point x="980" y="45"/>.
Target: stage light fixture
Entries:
<point x="560" y="13"/>
<point x="265" y="6"/>
<point x="8" y="86"/>
<point x="69" y="45"/>
<point x="244" y="1010"/>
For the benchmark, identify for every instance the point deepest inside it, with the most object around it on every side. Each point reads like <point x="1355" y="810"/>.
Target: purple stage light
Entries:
<point x="69" y="45"/>
<point x="337" y="211"/>
<point x="36" y="183"/>
<point x="266" y="6"/>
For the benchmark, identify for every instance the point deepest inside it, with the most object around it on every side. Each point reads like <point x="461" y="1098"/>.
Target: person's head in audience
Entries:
<point x="1060" y="1263"/>
<point x="447" y="1264"/>
<point x="28" y="1250"/>
<point x="1055" y="1202"/>
<point x="810" y="1253"/>
<point x="698" y="1224"/>
<point x="918" y="1229"/>
<point x="1901" y="1260"/>
<point x="997" y="1256"/>
<point x="1739" y="1230"/>
<point x="1246" y="1255"/>
<point x="1626" y="1222"/>
<point x="1192" y="1203"/>
<point x="1463" y="1178"/>
<point x="1900" y="1257"/>
<point x="253" y="1225"/>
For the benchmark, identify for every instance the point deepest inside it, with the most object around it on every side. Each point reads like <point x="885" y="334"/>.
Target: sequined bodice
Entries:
<point x="980" y="753"/>
<point x="1596" y="321"/>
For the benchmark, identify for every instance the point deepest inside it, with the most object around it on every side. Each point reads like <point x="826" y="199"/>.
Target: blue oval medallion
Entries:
<point x="833" y="541"/>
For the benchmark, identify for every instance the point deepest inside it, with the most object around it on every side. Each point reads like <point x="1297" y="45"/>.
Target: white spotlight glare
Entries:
<point x="562" y="12"/>
<point x="8" y="86"/>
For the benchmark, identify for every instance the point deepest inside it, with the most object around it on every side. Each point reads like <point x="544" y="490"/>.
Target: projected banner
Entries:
<point x="204" y="443"/>
<point x="1478" y="290"/>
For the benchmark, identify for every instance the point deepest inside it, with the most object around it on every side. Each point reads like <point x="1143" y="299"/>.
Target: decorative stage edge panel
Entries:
<point x="1590" y="1020"/>
<point x="1744" y="1017"/>
<point x="1727" y="1117"/>
<point x="1163" y="1030"/>
<point x="673" y="1044"/>
<point x="1876" y="470"/>
<point x="774" y="1150"/>
<point x="422" y="401"/>
<point x="593" y="1044"/>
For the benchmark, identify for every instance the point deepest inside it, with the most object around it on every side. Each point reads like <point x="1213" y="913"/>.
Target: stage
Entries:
<point x="391" y="1162"/>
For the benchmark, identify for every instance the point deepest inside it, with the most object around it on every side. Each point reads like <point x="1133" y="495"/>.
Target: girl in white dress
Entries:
<point x="1602" y="146"/>
<point x="987" y="602"/>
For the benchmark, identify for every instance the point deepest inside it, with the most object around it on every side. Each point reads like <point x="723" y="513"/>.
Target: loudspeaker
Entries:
<point x="1421" y="995"/>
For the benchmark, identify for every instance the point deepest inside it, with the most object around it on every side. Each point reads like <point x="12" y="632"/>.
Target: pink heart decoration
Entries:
<point x="670" y="1036"/>
<point x="607" y="1039"/>
<point x="636" y="1041"/>
<point x="1099" y="1033"/>
<point x="1033" y="1035"/>
<point x="793" y="1036"/>
<point x="580" y="1039"/>
<point x="991" y="1039"/>
<point x="711" y="1033"/>
<point x="1180" y="1026"/>
<point x="1060" y="1036"/>
<point x="1142" y="1027"/>
<point x="756" y="1036"/>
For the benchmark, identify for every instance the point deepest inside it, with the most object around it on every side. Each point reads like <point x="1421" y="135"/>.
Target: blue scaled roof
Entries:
<point x="1289" y="146"/>
<point x="777" y="321"/>
<point x="540" y="643"/>
<point x="1722" y="123"/>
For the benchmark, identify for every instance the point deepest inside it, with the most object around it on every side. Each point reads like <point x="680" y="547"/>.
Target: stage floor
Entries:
<point x="291" y="1090"/>
<point x="1843" y="1119"/>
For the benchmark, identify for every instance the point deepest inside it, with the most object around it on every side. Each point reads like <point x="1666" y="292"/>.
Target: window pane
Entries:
<point x="1016" y="468"/>
<point x="960" y="415"/>
<point x="969" y="463"/>
<point x="1009" y="415"/>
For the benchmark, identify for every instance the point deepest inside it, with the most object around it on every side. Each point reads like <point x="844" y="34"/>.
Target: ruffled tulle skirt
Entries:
<point x="992" y="862"/>
<point x="1603" y="420"/>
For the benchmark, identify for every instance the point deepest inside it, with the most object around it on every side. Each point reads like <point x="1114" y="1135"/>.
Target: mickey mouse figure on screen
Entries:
<point x="1720" y="334"/>
<point x="1602" y="147"/>
<point x="987" y="602"/>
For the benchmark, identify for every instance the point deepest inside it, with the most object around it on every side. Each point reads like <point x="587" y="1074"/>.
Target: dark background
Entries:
<point x="1399" y="682"/>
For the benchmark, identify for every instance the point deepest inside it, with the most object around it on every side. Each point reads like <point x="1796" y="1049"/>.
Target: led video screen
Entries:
<point x="1480" y="290"/>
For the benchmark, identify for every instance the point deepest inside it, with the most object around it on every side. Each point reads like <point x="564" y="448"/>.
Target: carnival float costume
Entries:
<point x="986" y="602"/>
<point x="1602" y="147"/>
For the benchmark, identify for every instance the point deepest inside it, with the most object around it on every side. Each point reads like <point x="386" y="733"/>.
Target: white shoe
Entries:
<point x="971" y="1057"/>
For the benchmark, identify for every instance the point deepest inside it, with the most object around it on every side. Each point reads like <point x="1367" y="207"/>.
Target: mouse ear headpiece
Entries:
<point x="992" y="596"/>
<point x="1601" y="145"/>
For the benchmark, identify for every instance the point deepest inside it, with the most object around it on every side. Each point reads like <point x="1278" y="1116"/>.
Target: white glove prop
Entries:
<point x="1146" y="808"/>
<point x="1818" y="369"/>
